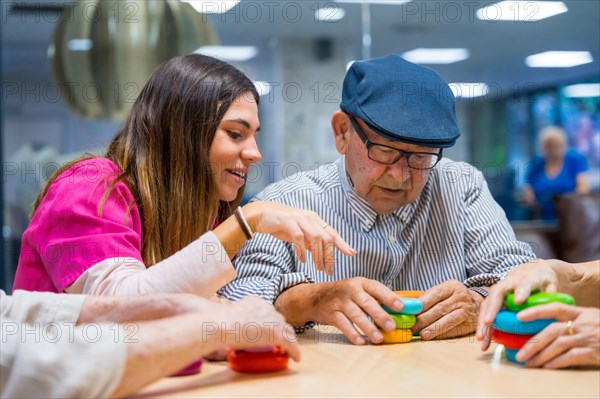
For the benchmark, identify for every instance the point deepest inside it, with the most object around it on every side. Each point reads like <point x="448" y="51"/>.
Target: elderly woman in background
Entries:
<point x="559" y="171"/>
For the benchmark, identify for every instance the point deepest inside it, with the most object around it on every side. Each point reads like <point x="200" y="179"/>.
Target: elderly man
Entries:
<point x="416" y="220"/>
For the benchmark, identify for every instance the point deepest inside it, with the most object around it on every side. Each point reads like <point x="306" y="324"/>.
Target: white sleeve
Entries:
<point x="41" y="307"/>
<point x="201" y="268"/>
<point x="59" y="360"/>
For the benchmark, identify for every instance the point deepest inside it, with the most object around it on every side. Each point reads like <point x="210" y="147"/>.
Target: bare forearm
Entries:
<point x="122" y="309"/>
<point x="581" y="280"/>
<point x="230" y="232"/>
<point x="297" y="302"/>
<point x="165" y="346"/>
<point x="582" y="184"/>
<point x="528" y="195"/>
<point x="587" y="291"/>
<point x="231" y="236"/>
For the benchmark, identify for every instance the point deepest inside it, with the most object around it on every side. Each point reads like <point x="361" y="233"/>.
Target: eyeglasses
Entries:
<point x="390" y="155"/>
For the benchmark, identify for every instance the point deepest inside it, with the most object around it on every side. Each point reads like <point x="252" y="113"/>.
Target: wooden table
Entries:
<point x="332" y="367"/>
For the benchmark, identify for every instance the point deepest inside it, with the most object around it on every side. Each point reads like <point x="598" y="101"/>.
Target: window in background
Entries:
<point x="580" y="117"/>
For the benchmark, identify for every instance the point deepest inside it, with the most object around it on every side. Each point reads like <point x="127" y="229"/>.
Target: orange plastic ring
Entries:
<point x="410" y="294"/>
<point x="396" y="336"/>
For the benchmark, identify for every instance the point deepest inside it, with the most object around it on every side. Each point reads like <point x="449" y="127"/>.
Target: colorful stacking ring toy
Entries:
<point x="262" y="360"/>
<point x="512" y="341"/>
<point x="411" y="306"/>
<point x="513" y="333"/>
<point x="396" y="336"/>
<point x="507" y="321"/>
<point x="536" y="299"/>
<point x="404" y="321"/>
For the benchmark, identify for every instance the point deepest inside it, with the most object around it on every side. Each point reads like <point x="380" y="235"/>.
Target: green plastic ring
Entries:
<point x="404" y="321"/>
<point x="536" y="299"/>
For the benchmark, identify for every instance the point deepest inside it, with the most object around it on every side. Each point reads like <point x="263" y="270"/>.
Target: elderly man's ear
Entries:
<point x="342" y="129"/>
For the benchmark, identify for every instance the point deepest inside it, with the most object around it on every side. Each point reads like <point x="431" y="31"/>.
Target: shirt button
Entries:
<point x="392" y="239"/>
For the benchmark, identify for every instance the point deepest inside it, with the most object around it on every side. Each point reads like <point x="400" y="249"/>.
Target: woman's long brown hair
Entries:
<point x="163" y="151"/>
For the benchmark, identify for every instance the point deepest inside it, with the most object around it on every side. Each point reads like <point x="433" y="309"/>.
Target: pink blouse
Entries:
<point x="68" y="236"/>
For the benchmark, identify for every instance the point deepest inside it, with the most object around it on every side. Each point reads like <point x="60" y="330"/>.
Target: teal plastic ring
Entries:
<point x="507" y="321"/>
<point x="411" y="306"/>
<point x="511" y="356"/>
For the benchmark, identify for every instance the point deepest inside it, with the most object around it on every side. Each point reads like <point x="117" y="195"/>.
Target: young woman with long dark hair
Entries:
<point x="159" y="211"/>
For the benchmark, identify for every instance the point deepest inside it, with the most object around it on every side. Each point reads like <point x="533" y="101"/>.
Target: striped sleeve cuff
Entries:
<point x="266" y="288"/>
<point x="292" y="279"/>
<point x="483" y="280"/>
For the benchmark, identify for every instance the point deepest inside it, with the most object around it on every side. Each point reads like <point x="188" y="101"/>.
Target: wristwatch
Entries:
<point x="481" y="291"/>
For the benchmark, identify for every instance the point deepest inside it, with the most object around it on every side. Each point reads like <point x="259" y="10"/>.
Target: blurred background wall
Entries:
<point x="66" y="85"/>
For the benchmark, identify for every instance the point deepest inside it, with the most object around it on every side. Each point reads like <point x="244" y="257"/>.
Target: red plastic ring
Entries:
<point x="258" y="362"/>
<point x="511" y="341"/>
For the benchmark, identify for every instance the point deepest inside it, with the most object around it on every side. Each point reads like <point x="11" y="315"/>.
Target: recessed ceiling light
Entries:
<point x="528" y="11"/>
<point x="263" y="88"/>
<point x="212" y="7"/>
<point x="559" y="59"/>
<point x="229" y="53"/>
<point x="387" y="2"/>
<point x="469" y="90"/>
<point x="436" y="55"/>
<point x="80" y="44"/>
<point x="582" y="90"/>
<point x="330" y="14"/>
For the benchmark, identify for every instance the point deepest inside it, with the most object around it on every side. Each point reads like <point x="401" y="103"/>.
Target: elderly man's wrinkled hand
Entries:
<point x="449" y="310"/>
<point x="348" y="304"/>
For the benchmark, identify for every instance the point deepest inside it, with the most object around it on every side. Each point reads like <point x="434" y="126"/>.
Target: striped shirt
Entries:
<point x="453" y="230"/>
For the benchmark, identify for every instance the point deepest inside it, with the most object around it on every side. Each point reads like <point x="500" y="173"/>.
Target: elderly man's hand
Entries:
<point x="449" y="310"/>
<point x="349" y="303"/>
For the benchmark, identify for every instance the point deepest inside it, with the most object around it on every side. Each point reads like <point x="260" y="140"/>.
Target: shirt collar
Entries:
<point x="361" y="209"/>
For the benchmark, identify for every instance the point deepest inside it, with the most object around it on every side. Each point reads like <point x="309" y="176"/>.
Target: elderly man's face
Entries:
<point x="385" y="187"/>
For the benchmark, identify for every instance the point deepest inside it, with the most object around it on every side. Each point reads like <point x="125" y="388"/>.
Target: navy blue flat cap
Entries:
<point x="401" y="101"/>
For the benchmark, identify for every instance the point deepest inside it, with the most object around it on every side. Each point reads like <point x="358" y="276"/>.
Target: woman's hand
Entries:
<point x="573" y="340"/>
<point x="522" y="280"/>
<point x="305" y="229"/>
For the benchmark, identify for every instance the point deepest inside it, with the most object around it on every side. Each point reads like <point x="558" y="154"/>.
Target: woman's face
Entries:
<point x="554" y="148"/>
<point x="234" y="147"/>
